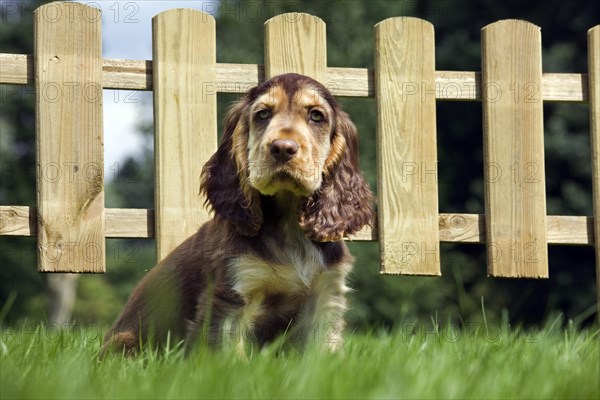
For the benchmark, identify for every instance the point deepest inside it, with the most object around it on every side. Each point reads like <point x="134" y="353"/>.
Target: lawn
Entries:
<point x="415" y="361"/>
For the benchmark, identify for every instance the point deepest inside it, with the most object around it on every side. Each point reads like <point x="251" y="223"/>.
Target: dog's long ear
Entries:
<point x="224" y="177"/>
<point x="343" y="203"/>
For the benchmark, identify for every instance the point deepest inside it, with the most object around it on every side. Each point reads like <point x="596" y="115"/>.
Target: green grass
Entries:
<point x="415" y="362"/>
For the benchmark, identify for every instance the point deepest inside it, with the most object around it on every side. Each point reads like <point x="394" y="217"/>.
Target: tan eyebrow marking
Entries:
<point x="272" y="98"/>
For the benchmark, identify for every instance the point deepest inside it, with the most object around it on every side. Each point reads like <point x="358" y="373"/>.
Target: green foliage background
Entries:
<point x="378" y="300"/>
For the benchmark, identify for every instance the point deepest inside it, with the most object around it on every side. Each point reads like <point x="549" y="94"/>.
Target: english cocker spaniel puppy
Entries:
<point x="285" y="188"/>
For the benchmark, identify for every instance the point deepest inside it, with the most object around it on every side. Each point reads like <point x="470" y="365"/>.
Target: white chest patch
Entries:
<point x="293" y="272"/>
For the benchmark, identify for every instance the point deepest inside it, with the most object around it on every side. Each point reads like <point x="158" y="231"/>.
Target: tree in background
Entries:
<point x="20" y="283"/>
<point x="378" y="300"/>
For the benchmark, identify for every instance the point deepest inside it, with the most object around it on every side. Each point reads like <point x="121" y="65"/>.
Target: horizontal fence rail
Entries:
<point x="122" y="223"/>
<point x="17" y="69"/>
<point x="71" y="222"/>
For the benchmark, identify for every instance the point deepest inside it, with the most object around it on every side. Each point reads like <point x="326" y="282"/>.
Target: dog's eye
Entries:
<point x="263" y="114"/>
<point x="317" y="116"/>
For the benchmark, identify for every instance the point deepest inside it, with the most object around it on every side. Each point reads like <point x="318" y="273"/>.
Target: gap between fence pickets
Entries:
<point x="454" y="228"/>
<point x="350" y="82"/>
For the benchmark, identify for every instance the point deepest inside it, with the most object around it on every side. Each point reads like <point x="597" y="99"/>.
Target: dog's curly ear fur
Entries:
<point x="343" y="204"/>
<point x="224" y="176"/>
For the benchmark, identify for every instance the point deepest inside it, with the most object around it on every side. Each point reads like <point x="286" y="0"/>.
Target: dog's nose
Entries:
<point x="283" y="149"/>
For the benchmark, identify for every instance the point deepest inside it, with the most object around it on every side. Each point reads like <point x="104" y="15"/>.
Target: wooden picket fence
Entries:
<point x="69" y="73"/>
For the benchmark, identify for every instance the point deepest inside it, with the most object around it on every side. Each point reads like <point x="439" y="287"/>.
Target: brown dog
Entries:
<point x="285" y="189"/>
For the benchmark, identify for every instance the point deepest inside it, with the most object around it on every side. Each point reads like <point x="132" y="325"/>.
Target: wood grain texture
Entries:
<point x="120" y="222"/>
<point x="296" y="42"/>
<point x="564" y="87"/>
<point x="454" y="228"/>
<point x="137" y="223"/>
<point x="406" y="147"/>
<point x="350" y="82"/>
<point x="462" y="228"/>
<point x="16" y="69"/>
<point x="514" y="150"/>
<point x="185" y="120"/>
<point x="69" y="141"/>
<point x="561" y="229"/>
<point x="18" y="221"/>
<point x="594" y="91"/>
<point x="127" y="74"/>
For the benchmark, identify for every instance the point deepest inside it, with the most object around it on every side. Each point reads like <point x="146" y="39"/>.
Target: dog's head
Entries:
<point x="289" y="134"/>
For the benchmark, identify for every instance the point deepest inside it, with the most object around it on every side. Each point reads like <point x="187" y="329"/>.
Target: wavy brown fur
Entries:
<point x="272" y="260"/>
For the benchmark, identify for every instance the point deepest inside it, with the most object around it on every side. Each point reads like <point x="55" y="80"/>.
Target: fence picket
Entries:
<point x="594" y="93"/>
<point x="69" y="138"/>
<point x="185" y="120"/>
<point x="406" y="147"/>
<point x="514" y="150"/>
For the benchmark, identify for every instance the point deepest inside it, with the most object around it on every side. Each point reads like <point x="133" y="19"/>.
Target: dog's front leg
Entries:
<point x="322" y="322"/>
<point x="244" y="325"/>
